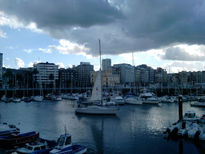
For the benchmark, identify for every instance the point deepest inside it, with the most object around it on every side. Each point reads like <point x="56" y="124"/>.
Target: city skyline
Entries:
<point x="162" y="39"/>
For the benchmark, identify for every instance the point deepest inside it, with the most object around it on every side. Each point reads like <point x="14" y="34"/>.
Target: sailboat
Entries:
<point x="39" y="98"/>
<point x="96" y="97"/>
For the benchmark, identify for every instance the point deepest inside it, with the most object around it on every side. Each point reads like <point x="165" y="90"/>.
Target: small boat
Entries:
<point x="40" y="146"/>
<point x="5" y="99"/>
<point x="53" y="97"/>
<point x="26" y="99"/>
<point x="133" y="100"/>
<point x="107" y="102"/>
<point x="185" y="126"/>
<point x="167" y="99"/>
<point x="6" y="129"/>
<point x="71" y="97"/>
<point x="118" y="100"/>
<point x="149" y="98"/>
<point x="190" y="116"/>
<point x="16" y="100"/>
<point x="58" y="98"/>
<point x="65" y="146"/>
<point x="17" y="140"/>
<point x="199" y="103"/>
<point x="38" y="98"/>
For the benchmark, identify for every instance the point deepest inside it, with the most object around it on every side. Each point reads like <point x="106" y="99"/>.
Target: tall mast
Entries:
<point x="133" y="65"/>
<point x="100" y="72"/>
<point x="100" y="53"/>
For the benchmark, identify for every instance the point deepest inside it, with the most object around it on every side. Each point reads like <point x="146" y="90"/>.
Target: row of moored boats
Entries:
<point x="30" y="143"/>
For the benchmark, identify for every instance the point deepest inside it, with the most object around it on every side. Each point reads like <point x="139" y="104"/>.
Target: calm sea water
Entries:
<point x="135" y="129"/>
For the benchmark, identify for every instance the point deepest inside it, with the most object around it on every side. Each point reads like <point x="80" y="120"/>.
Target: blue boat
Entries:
<point x="41" y="146"/>
<point x="65" y="146"/>
<point x="6" y="129"/>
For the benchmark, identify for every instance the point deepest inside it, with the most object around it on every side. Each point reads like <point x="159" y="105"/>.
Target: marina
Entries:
<point x="132" y="126"/>
<point x="102" y="77"/>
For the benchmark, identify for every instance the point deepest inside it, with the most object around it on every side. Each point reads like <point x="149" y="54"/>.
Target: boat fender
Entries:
<point x="183" y="125"/>
<point x="196" y="136"/>
<point x="168" y="130"/>
<point x="174" y="131"/>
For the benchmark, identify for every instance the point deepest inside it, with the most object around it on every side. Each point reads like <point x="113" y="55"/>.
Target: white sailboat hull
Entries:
<point x="97" y="110"/>
<point x="198" y="104"/>
<point x="133" y="101"/>
<point x="38" y="98"/>
<point x="151" y="102"/>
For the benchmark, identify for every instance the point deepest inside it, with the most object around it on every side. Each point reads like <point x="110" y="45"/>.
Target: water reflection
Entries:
<point x="135" y="129"/>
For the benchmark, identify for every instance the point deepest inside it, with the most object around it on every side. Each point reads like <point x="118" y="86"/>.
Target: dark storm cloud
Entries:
<point x="122" y="25"/>
<point x="61" y="13"/>
<point x="175" y="53"/>
<point x="165" y="22"/>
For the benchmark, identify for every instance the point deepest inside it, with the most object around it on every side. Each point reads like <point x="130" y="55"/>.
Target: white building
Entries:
<point x="127" y="73"/>
<point x="46" y="74"/>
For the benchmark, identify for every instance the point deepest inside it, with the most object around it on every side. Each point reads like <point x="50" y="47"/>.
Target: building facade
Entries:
<point x="1" y="64"/>
<point x="106" y="64"/>
<point x="67" y="78"/>
<point x="46" y="74"/>
<point x="127" y="73"/>
<point x="84" y="70"/>
<point x="109" y="79"/>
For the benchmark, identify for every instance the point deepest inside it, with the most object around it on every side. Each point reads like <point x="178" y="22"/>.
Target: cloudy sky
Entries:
<point x="161" y="33"/>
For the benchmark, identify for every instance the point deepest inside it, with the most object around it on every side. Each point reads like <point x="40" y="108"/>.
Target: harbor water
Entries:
<point x="135" y="129"/>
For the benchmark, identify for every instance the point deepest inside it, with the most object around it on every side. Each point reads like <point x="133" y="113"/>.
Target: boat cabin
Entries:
<point x="64" y="140"/>
<point x="202" y="119"/>
<point x="35" y="147"/>
<point x="190" y="116"/>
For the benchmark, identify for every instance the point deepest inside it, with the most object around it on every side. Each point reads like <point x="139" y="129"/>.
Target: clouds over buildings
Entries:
<point x="122" y="25"/>
<point x="19" y="63"/>
<point x="180" y="54"/>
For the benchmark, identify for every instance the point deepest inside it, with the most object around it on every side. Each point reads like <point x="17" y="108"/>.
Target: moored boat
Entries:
<point x="17" y="140"/>
<point x="38" y="98"/>
<point x="6" y="129"/>
<point x="65" y="146"/>
<point x="16" y="100"/>
<point x="27" y="99"/>
<point x="96" y="97"/>
<point x="149" y="98"/>
<point x="133" y="100"/>
<point x="118" y="100"/>
<point x="40" y="146"/>
<point x="188" y="126"/>
<point x="190" y="116"/>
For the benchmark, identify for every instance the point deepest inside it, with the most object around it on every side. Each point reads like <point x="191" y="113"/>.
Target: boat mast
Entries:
<point x="100" y="72"/>
<point x="133" y="65"/>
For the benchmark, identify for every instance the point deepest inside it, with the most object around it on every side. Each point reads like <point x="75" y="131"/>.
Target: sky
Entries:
<point x="160" y="33"/>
